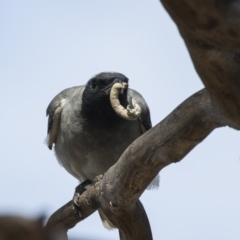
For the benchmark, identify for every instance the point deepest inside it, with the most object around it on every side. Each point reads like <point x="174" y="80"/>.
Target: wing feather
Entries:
<point x="53" y="124"/>
<point x="54" y="111"/>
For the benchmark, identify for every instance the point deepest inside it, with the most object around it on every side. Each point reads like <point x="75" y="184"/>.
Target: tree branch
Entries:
<point x="210" y="30"/>
<point x="118" y="192"/>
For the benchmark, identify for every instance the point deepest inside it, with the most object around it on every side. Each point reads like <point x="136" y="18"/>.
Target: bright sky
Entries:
<point x="49" y="45"/>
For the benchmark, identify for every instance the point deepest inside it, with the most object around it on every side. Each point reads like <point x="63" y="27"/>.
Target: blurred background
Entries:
<point x="49" y="45"/>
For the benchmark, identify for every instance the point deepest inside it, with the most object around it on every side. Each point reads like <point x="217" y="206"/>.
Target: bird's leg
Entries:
<point x="81" y="188"/>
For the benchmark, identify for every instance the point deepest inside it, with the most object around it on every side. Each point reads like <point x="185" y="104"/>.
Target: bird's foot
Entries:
<point x="98" y="178"/>
<point x="81" y="188"/>
<point x="76" y="205"/>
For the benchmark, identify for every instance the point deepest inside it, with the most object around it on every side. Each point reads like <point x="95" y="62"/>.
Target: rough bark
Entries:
<point x="210" y="30"/>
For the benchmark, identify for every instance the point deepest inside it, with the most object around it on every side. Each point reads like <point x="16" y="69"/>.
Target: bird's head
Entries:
<point x="96" y="95"/>
<point x="100" y="85"/>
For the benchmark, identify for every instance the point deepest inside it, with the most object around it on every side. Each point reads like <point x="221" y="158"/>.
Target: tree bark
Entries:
<point x="210" y="30"/>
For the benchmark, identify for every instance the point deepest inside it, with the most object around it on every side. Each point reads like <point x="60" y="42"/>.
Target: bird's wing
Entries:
<point x="54" y="111"/>
<point x="144" y="119"/>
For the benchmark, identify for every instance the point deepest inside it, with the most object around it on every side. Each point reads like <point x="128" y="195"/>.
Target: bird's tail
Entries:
<point x="106" y="222"/>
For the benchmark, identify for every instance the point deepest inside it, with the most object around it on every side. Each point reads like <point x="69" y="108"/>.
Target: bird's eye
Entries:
<point x="94" y="84"/>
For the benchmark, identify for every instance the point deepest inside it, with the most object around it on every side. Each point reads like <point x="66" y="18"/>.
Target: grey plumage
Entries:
<point x="89" y="137"/>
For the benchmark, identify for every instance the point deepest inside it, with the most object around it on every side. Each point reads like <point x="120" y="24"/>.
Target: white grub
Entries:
<point x="129" y="113"/>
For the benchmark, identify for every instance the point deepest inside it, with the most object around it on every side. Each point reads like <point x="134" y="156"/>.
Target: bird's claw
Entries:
<point x="81" y="188"/>
<point x="76" y="207"/>
<point x="77" y="210"/>
<point x="98" y="178"/>
<point x="76" y="198"/>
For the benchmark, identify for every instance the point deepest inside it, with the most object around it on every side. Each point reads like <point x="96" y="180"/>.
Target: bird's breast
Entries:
<point x="88" y="151"/>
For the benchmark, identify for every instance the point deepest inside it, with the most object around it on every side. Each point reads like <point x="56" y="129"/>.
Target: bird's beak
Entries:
<point x="125" y="85"/>
<point x="108" y="88"/>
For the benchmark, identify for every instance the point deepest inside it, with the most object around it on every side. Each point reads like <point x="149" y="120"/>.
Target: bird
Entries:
<point x="87" y="132"/>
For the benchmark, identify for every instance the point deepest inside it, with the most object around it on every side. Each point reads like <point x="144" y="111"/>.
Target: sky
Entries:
<point x="49" y="45"/>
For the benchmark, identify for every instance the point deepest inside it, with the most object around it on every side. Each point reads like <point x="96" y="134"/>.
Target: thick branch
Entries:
<point x="210" y="29"/>
<point x="65" y="218"/>
<point x="118" y="192"/>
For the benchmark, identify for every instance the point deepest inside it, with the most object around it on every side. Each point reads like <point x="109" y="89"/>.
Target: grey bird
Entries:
<point x="87" y="133"/>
